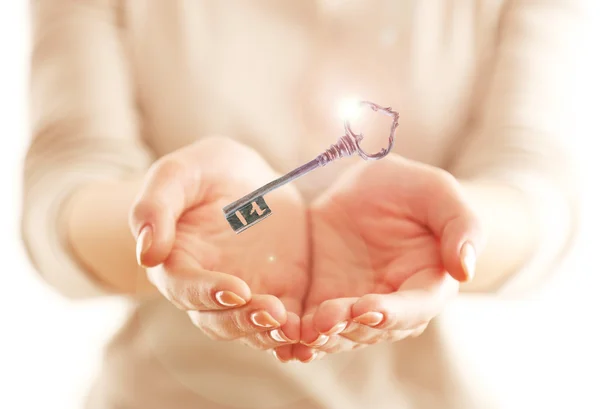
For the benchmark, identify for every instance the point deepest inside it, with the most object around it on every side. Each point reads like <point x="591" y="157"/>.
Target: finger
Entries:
<point x="303" y="354"/>
<point x="332" y="316"/>
<point x="291" y="329"/>
<point x="310" y="339"/>
<point x="278" y="338"/>
<point x="171" y="186"/>
<point x="366" y="336"/>
<point x="330" y="320"/>
<point x="452" y="220"/>
<point x="336" y="344"/>
<point x="459" y="243"/>
<point x="199" y="290"/>
<point x="322" y="330"/>
<point x="363" y="334"/>
<point x="420" y="299"/>
<point x="262" y="318"/>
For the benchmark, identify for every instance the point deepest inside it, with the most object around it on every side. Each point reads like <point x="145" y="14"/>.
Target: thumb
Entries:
<point x="170" y="188"/>
<point x="458" y="228"/>
<point x="460" y="246"/>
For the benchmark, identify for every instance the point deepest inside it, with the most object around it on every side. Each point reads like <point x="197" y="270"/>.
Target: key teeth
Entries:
<point x="345" y="146"/>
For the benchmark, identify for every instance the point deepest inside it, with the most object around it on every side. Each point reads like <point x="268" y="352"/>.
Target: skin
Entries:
<point x="189" y="250"/>
<point x="385" y="267"/>
<point x="399" y="258"/>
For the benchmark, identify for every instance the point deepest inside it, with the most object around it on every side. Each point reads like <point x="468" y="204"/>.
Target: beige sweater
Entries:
<point x="483" y="89"/>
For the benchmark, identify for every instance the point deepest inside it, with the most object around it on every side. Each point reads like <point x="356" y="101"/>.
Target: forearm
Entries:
<point x="97" y="231"/>
<point x="510" y="232"/>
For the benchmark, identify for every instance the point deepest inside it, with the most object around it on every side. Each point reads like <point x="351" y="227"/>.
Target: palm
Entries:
<point x="259" y="256"/>
<point x="365" y="239"/>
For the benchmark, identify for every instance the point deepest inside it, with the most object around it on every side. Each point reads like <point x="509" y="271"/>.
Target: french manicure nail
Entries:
<point x="143" y="243"/>
<point x="337" y="329"/>
<point x="229" y="299"/>
<point x="278" y="336"/>
<point x="370" y="318"/>
<point x="263" y="319"/>
<point x="313" y="356"/>
<point x="468" y="260"/>
<point x="319" y="342"/>
<point x="274" y="353"/>
<point x="283" y="361"/>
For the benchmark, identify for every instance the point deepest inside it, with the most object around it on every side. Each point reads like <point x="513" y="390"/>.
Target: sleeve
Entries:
<point x="83" y="127"/>
<point x="522" y="134"/>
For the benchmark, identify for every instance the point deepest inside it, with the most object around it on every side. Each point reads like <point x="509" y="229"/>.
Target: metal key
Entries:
<point x="252" y="208"/>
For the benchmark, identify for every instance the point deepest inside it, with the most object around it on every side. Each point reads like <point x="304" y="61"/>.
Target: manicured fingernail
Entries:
<point x="143" y="243"/>
<point x="370" y="318"/>
<point x="313" y="356"/>
<point x="229" y="299"/>
<point x="337" y="329"/>
<point x="283" y="361"/>
<point x="468" y="260"/>
<point x="263" y="319"/>
<point x="319" y="342"/>
<point x="278" y="336"/>
<point x="274" y="353"/>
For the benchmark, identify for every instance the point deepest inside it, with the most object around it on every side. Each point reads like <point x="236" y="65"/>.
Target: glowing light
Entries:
<point x="271" y="258"/>
<point x="349" y="109"/>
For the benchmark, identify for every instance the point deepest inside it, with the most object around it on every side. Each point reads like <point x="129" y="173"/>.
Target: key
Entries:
<point x="252" y="208"/>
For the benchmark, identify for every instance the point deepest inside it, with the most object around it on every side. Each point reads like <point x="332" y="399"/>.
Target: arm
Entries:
<point x="105" y="245"/>
<point x="85" y="159"/>
<point x="516" y="164"/>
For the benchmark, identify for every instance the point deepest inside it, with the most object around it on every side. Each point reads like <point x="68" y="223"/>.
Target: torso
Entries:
<point x="271" y="74"/>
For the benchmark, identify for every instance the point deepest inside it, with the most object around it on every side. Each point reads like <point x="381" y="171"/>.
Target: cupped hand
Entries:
<point x="391" y="240"/>
<point x="246" y="287"/>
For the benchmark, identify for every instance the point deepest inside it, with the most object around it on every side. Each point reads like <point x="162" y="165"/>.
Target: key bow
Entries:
<point x="359" y="137"/>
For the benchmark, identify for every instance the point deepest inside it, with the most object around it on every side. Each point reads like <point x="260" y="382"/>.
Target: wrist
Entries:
<point x="96" y="232"/>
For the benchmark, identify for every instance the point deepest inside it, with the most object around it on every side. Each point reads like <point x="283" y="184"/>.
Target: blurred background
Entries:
<point x="50" y="348"/>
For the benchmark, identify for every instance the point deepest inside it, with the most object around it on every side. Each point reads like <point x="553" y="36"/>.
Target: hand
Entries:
<point x="246" y="287"/>
<point x="391" y="241"/>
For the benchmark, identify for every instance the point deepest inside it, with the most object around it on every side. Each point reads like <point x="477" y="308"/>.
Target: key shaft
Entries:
<point x="250" y="209"/>
<point x="288" y="177"/>
<point x="346" y="146"/>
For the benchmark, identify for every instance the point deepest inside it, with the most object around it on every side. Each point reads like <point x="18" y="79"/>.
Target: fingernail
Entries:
<point x="319" y="342"/>
<point x="370" y="318"/>
<point x="278" y="336"/>
<point x="337" y="329"/>
<point x="313" y="356"/>
<point x="468" y="260"/>
<point x="263" y="319"/>
<point x="229" y="299"/>
<point x="143" y="243"/>
<point x="274" y="352"/>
